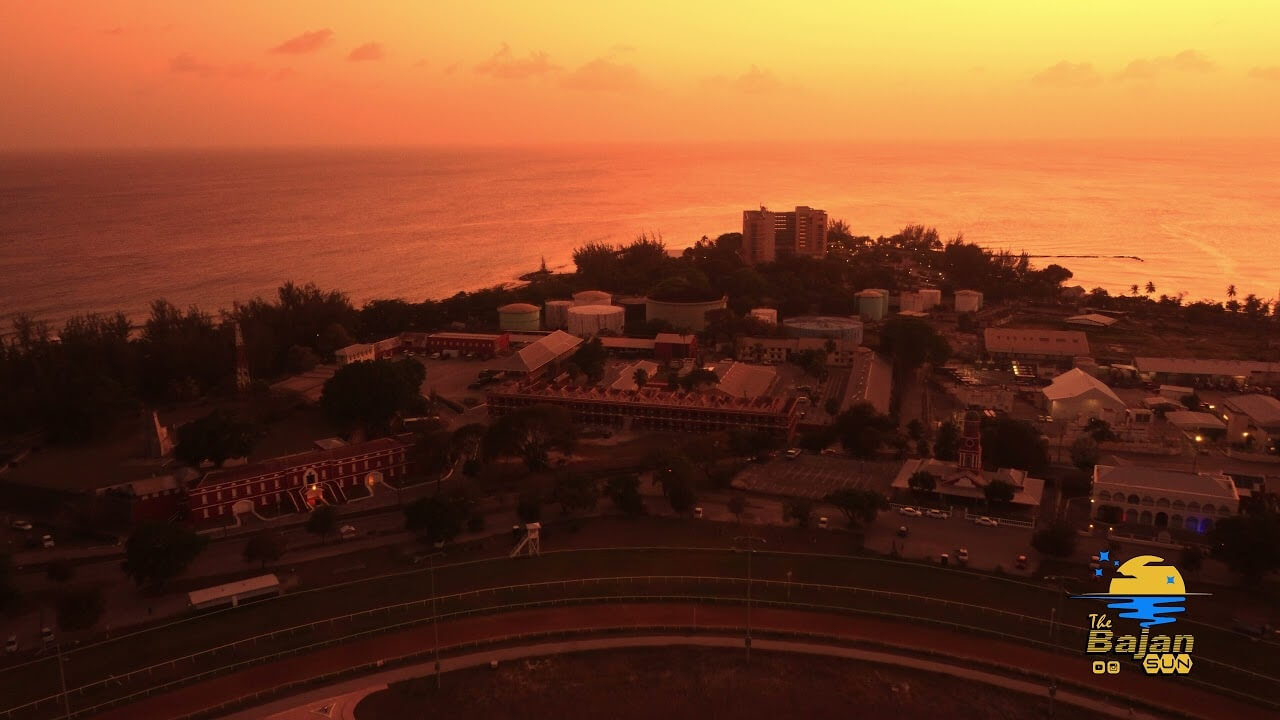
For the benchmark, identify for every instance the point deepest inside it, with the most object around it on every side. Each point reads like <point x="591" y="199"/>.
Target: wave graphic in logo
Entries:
<point x="1149" y="609"/>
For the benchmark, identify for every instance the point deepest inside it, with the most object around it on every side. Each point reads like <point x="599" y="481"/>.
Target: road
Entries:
<point x="1158" y="692"/>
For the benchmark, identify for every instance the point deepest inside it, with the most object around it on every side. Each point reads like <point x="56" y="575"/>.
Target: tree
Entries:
<point x="860" y="506"/>
<point x="641" y="377"/>
<point x="946" y="446"/>
<point x="1231" y="291"/>
<point x="216" y="437"/>
<point x="911" y="342"/>
<point x="1151" y="287"/>
<point x="1084" y="453"/>
<point x="323" y="520"/>
<point x="80" y="608"/>
<point x="923" y="482"/>
<point x="737" y="506"/>
<point x="832" y="406"/>
<point x="1100" y="430"/>
<point x="1058" y="539"/>
<point x="438" y="518"/>
<point x="915" y="430"/>
<point x="590" y="358"/>
<point x="1012" y="443"/>
<point x="1249" y="543"/>
<point x="1190" y="560"/>
<point x="1191" y="401"/>
<point x="998" y="492"/>
<point x="264" y="548"/>
<point x="624" y="492"/>
<point x="862" y="430"/>
<point x="576" y="493"/>
<point x="531" y="433"/>
<point x="798" y="509"/>
<point x="367" y="395"/>
<point x="159" y="551"/>
<point x="529" y="507"/>
<point x="678" y="477"/>
<point x="1133" y="289"/>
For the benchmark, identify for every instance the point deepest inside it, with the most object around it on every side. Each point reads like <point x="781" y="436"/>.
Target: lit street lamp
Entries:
<point x="749" y="540"/>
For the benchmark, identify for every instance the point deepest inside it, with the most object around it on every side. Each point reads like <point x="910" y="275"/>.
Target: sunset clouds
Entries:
<point x="382" y="71"/>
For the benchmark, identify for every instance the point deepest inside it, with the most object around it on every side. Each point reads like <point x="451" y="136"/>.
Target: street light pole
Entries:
<point x="435" y="616"/>
<point x="62" y="679"/>
<point x="751" y="548"/>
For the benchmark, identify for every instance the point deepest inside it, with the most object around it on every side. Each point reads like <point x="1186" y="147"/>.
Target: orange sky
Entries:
<point x="276" y="72"/>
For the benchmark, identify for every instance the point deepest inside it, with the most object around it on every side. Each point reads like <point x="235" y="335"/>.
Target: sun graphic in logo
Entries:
<point x="1147" y="590"/>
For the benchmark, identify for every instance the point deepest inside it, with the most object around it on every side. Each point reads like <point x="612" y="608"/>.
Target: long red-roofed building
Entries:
<point x="297" y="483"/>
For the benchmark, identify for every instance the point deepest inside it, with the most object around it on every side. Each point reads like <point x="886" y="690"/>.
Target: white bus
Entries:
<point x="234" y="593"/>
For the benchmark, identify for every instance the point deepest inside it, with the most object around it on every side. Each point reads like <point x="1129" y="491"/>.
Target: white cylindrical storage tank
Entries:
<point x="589" y="320"/>
<point x="519" y="317"/>
<point x="684" y="316"/>
<point x="592" y="297"/>
<point x="911" y="301"/>
<point x="932" y="297"/>
<point x="768" y="316"/>
<point x="557" y="314"/>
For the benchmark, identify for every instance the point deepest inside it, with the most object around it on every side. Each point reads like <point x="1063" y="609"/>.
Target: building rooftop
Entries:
<point x="1263" y="410"/>
<point x="745" y="381"/>
<point x="870" y="380"/>
<point x="1033" y="341"/>
<point x="1092" y="320"/>
<point x="519" y="308"/>
<point x="1196" y="366"/>
<point x="673" y="339"/>
<point x="1136" y="477"/>
<point x="648" y="397"/>
<point x="958" y="482"/>
<point x="544" y="350"/>
<point x="1076" y="382"/>
<point x="626" y="343"/>
<point x="488" y="337"/>
<point x="626" y="380"/>
<point x="1193" y="419"/>
<point x="285" y="462"/>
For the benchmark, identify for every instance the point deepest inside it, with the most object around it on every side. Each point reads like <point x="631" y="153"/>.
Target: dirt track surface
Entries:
<point x="1159" y="692"/>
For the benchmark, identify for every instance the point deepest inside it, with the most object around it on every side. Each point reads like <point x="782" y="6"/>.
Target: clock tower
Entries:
<point x="970" y="456"/>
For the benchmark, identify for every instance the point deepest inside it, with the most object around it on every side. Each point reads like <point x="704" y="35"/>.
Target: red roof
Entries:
<point x="288" y="462"/>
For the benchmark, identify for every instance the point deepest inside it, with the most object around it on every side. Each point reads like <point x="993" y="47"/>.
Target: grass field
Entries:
<point x="815" y="581"/>
<point x="678" y="683"/>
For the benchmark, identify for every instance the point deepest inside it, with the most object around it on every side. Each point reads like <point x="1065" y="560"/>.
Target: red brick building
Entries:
<point x="456" y="343"/>
<point x="653" y="408"/>
<point x="670" y="346"/>
<point x="297" y="482"/>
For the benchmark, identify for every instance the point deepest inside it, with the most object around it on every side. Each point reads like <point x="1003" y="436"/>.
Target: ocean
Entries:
<point x="114" y="230"/>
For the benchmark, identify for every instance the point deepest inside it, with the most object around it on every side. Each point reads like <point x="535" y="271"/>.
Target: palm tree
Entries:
<point x="641" y="377"/>
<point x="1151" y="287"/>
<point x="1134" y="289"/>
<point x="1231" y="291"/>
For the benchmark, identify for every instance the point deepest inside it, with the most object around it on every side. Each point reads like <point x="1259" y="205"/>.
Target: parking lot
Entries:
<point x="814" y="476"/>
<point x="929" y="538"/>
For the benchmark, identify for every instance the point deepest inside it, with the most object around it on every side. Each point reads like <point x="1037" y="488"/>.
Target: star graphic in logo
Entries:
<point x="1168" y="580"/>
<point x="1104" y="555"/>
<point x="1097" y="572"/>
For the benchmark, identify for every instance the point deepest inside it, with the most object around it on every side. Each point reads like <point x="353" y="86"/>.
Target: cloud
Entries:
<point x="503" y="64"/>
<point x="622" y="48"/>
<point x="754" y="81"/>
<point x="1187" y="61"/>
<point x="1266" y="73"/>
<point x="1068" y="74"/>
<point x="604" y="75"/>
<point x="451" y="68"/>
<point x="186" y="64"/>
<point x="117" y="30"/>
<point x="420" y="63"/>
<point x="367" y="51"/>
<point x="306" y="42"/>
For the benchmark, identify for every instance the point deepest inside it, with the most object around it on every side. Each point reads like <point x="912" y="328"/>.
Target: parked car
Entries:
<point x="697" y="513"/>
<point x="986" y="521"/>
<point x="937" y="514"/>
<point x="1021" y="562"/>
<point x="12" y="645"/>
<point x="793" y="453"/>
<point x="346" y="532"/>
<point x="910" y="512"/>
<point x="962" y="555"/>
<point x="435" y="356"/>
<point x="46" y="541"/>
<point x="903" y="531"/>
<point x="823" y="523"/>
<point x="20" y="525"/>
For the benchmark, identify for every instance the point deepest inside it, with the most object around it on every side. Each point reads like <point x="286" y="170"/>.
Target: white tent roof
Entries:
<point x="1075" y="383"/>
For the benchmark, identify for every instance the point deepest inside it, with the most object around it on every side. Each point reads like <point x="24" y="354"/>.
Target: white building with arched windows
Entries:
<point x="1164" y="499"/>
